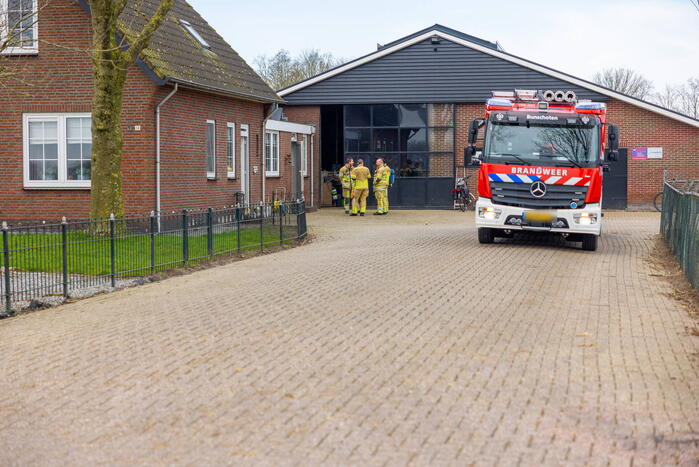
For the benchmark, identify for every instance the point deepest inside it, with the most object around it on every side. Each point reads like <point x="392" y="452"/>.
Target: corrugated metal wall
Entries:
<point x="417" y="74"/>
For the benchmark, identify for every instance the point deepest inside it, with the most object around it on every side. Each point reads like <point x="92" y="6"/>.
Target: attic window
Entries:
<point x="195" y="34"/>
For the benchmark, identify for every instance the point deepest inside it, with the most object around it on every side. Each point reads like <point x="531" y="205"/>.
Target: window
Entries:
<point x="418" y="139"/>
<point x="57" y="150"/>
<point x="304" y="156"/>
<point x="18" y="25"/>
<point x="230" y="149"/>
<point x="190" y="29"/>
<point x="271" y="154"/>
<point x="210" y="149"/>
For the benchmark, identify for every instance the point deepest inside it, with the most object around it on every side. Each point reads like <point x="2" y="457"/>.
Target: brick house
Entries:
<point x="411" y="102"/>
<point x="199" y="124"/>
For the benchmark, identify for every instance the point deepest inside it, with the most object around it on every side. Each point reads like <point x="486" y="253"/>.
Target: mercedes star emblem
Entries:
<point x="537" y="189"/>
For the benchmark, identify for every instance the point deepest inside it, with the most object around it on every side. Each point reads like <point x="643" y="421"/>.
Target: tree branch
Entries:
<point x="141" y="42"/>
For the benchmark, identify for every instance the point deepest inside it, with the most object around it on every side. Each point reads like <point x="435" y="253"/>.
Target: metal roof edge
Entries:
<point x="499" y="54"/>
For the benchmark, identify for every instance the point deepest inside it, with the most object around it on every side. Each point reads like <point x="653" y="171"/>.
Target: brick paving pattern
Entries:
<point x="453" y="353"/>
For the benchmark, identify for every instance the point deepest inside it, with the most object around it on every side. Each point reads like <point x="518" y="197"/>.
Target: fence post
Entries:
<point x="210" y="231"/>
<point x="64" y="246"/>
<point x="237" y="226"/>
<point x="6" y="271"/>
<point x="185" y="238"/>
<point x="112" y="247"/>
<point x="262" y="233"/>
<point x="299" y="228"/>
<point x="152" y="242"/>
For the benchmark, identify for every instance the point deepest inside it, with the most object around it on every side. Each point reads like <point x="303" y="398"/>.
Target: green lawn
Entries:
<point x="90" y="255"/>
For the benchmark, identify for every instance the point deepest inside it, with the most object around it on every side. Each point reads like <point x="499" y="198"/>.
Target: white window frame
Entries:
<point x="230" y="149"/>
<point x="62" y="182"/>
<point x="274" y="137"/>
<point x="210" y="175"/>
<point x="304" y="155"/>
<point x="4" y="27"/>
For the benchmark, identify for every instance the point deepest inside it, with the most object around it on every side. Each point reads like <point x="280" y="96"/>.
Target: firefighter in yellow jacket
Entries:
<point x="346" y="180"/>
<point x="382" y="177"/>
<point x="360" y="184"/>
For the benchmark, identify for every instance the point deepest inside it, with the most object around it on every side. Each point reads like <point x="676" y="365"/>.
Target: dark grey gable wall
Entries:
<point x="418" y="74"/>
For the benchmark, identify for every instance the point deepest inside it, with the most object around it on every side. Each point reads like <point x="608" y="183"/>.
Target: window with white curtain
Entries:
<point x="272" y="154"/>
<point x="57" y="150"/>
<point x="19" y="26"/>
<point x="210" y="149"/>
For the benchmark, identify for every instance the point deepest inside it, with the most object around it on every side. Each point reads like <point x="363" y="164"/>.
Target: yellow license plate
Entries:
<point x="538" y="216"/>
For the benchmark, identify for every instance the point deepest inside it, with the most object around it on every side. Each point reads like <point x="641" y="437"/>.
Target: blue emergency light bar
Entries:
<point x="495" y="102"/>
<point x="590" y="106"/>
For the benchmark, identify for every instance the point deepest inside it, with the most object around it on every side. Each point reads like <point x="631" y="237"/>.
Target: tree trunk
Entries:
<point x="107" y="196"/>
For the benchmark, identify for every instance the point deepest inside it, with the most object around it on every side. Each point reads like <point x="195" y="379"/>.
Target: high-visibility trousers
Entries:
<point x="359" y="200"/>
<point x="381" y="195"/>
<point x="347" y="198"/>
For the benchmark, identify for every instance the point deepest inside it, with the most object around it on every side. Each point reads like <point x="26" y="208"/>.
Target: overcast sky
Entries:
<point x="658" y="38"/>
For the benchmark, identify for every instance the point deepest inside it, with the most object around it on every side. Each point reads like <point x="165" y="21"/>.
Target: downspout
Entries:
<point x="157" y="149"/>
<point x="313" y="136"/>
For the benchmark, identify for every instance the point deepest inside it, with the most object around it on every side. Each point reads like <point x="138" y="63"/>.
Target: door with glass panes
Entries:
<point x="415" y="140"/>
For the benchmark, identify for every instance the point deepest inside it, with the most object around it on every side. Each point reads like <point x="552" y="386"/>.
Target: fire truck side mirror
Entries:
<point x="473" y="130"/>
<point x="613" y="137"/>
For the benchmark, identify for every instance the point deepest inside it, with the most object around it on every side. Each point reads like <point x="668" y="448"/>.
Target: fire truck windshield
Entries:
<point x="542" y="144"/>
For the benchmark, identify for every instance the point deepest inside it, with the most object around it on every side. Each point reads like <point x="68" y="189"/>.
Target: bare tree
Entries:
<point x="625" y="81"/>
<point x="110" y="61"/>
<point x="688" y="98"/>
<point x="667" y="97"/>
<point x="682" y="98"/>
<point x="282" y="70"/>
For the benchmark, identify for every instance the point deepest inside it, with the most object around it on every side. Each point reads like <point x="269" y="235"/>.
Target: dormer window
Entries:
<point x="190" y="29"/>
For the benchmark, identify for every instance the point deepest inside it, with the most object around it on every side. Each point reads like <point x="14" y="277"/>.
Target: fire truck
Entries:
<point x="541" y="165"/>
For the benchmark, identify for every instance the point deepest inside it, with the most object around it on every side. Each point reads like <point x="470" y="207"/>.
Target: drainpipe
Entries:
<point x="157" y="150"/>
<point x="313" y="135"/>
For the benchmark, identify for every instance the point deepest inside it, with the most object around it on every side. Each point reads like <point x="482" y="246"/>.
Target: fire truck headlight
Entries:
<point x="585" y="218"/>
<point x="489" y="213"/>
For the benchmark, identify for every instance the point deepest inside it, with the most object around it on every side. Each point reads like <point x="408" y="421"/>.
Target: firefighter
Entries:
<point x="346" y="179"/>
<point x="382" y="177"/>
<point x="360" y="184"/>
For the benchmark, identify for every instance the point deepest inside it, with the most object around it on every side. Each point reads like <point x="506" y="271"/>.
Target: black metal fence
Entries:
<point x="679" y="224"/>
<point x="78" y="258"/>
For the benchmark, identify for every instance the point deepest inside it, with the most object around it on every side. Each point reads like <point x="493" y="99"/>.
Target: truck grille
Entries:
<point x="556" y="197"/>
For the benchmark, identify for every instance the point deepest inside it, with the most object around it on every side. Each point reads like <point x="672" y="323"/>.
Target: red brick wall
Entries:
<point x="643" y="128"/>
<point x="308" y="115"/>
<point x="639" y="128"/>
<point x="61" y="81"/>
<point x="184" y="183"/>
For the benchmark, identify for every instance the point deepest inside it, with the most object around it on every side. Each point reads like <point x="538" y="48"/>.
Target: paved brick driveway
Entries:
<point x="453" y="353"/>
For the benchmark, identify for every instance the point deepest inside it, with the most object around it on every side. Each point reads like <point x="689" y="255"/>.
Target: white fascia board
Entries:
<point x="499" y="54"/>
<point x="289" y="127"/>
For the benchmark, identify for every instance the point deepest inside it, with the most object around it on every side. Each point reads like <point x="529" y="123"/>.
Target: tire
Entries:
<point x="486" y="235"/>
<point x="463" y="204"/>
<point x="658" y="202"/>
<point x="589" y="243"/>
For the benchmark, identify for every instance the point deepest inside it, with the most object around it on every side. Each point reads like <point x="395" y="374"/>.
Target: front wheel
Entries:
<point x="486" y="235"/>
<point x="658" y="202"/>
<point x="589" y="243"/>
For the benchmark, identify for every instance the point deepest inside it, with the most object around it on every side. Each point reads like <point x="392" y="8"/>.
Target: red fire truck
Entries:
<point x="541" y="165"/>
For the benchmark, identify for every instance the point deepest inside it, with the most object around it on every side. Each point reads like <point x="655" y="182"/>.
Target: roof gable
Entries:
<point x="322" y="84"/>
<point x="174" y="54"/>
